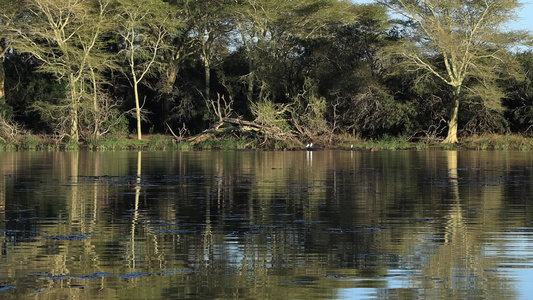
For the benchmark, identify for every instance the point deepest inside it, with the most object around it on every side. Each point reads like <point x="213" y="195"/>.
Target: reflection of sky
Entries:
<point x="515" y="251"/>
<point x="392" y="283"/>
<point x="512" y="251"/>
<point x="357" y="293"/>
<point x="525" y="15"/>
<point x="525" y="277"/>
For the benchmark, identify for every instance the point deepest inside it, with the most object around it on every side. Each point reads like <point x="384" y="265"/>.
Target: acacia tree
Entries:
<point x="254" y="18"/>
<point x="8" y="18"/>
<point x="269" y="30"/>
<point x="143" y="28"/>
<point x="179" y="45"/>
<point x="458" y="42"/>
<point x="211" y="24"/>
<point x="64" y="36"/>
<point x="276" y="37"/>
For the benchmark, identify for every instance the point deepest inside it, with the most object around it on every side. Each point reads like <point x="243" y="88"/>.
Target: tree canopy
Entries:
<point x="461" y="43"/>
<point x="312" y="70"/>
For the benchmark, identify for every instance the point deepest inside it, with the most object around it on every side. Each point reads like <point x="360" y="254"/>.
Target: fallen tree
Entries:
<point x="235" y="126"/>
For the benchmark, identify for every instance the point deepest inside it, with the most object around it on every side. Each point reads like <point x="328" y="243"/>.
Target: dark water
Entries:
<point x="266" y="225"/>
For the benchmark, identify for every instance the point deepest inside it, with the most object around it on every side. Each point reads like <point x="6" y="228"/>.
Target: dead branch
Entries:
<point x="181" y="133"/>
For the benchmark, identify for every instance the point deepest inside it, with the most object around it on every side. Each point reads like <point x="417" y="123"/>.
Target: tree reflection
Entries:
<point x="257" y="225"/>
<point x="457" y="268"/>
<point x="135" y="219"/>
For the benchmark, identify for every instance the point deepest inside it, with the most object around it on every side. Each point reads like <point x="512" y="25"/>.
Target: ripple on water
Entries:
<point x="6" y="288"/>
<point x="405" y="224"/>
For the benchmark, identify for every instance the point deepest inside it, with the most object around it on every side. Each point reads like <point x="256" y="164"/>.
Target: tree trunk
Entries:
<point x="171" y="74"/>
<point x="205" y="57"/>
<point x="251" y="78"/>
<point x="74" y="132"/>
<point x="96" y="107"/>
<point x="2" y="80"/>
<point x="451" y="138"/>
<point x="248" y="44"/>
<point x="135" y="89"/>
<point x="207" y="79"/>
<point x="137" y="109"/>
<point x="168" y="86"/>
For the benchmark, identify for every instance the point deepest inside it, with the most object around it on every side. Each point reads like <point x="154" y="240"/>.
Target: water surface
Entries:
<point x="266" y="225"/>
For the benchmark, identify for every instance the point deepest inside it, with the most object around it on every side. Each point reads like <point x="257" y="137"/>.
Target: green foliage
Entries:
<point x="272" y="115"/>
<point x="70" y="145"/>
<point x="117" y="123"/>
<point x="445" y="42"/>
<point x="184" y="146"/>
<point x="480" y="119"/>
<point x="208" y="144"/>
<point x="65" y="36"/>
<point x="498" y="142"/>
<point x="144" y="28"/>
<point x="31" y="142"/>
<point x="386" y="143"/>
<point x="227" y="143"/>
<point x="6" y="111"/>
<point x="309" y="113"/>
<point x="374" y="112"/>
<point x="118" y="143"/>
<point x="230" y="143"/>
<point x="305" y="70"/>
<point x="160" y="142"/>
<point x="519" y="96"/>
<point x="279" y="145"/>
<point x="5" y="146"/>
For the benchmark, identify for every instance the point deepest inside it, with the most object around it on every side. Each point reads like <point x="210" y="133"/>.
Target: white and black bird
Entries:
<point x="309" y="147"/>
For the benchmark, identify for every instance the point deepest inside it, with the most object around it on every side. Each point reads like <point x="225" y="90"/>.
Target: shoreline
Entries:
<point x="168" y="142"/>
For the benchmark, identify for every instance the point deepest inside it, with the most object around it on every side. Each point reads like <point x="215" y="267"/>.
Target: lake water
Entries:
<point x="266" y="225"/>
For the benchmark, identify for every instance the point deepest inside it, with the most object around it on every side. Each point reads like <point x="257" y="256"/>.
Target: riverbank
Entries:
<point x="168" y="142"/>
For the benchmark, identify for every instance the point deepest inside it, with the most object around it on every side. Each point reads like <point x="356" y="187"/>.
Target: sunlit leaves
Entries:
<point x="467" y="39"/>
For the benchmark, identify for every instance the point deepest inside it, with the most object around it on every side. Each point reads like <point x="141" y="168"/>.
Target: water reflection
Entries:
<point x="265" y="225"/>
<point x="137" y="187"/>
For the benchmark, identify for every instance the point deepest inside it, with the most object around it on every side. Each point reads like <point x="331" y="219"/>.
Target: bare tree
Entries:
<point x="144" y="26"/>
<point x="220" y="107"/>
